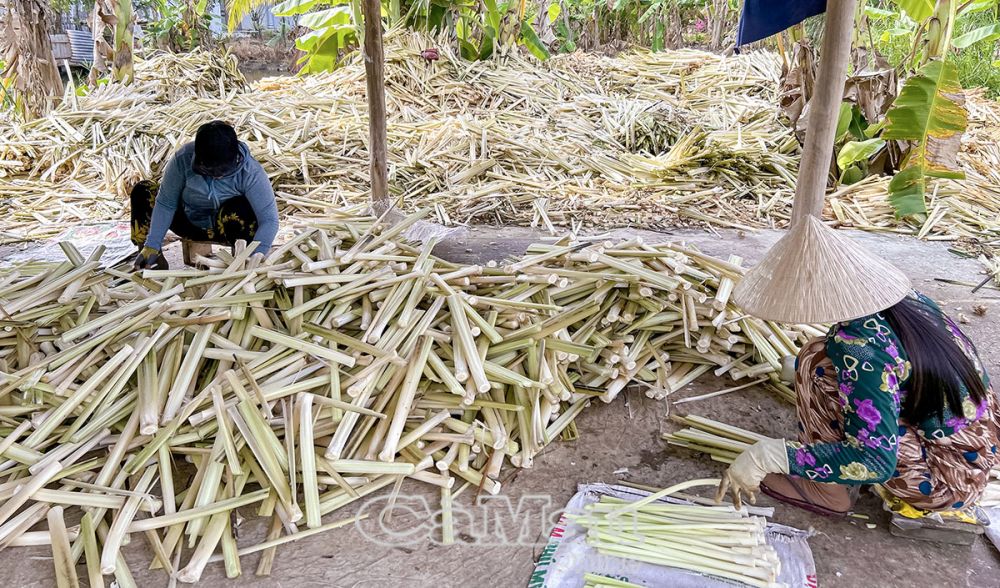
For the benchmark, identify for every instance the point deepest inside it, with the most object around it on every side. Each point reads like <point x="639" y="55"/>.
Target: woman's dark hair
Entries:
<point x="939" y="366"/>
<point x="216" y="149"/>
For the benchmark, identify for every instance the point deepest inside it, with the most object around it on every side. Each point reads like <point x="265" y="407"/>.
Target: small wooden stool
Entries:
<point x="192" y="249"/>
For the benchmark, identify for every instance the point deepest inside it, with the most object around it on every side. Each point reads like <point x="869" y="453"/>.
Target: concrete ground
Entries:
<point x="620" y="441"/>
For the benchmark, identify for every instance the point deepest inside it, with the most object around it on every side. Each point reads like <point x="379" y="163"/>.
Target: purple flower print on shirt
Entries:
<point x="957" y="423"/>
<point x="868" y="413"/>
<point x="846" y="388"/>
<point x="823" y="472"/>
<point x="869" y="441"/>
<point x="891" y="379"/>
<point x="981" y="409"/>
<point x="804" y="458"/>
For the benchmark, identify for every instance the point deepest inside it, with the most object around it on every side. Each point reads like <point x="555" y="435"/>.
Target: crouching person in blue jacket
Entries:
<point x="212" y="190"/>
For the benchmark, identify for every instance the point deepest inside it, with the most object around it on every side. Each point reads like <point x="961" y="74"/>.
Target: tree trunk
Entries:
<point x="123" y="69"/>
<point x="720" y="17"/>
<point x="940" y="30"/>
<point x="27" y="52"/>
<point x="113" y="25"/>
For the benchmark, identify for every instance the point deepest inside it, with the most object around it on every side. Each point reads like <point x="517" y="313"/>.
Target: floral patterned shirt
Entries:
<point x="872" y="373"/>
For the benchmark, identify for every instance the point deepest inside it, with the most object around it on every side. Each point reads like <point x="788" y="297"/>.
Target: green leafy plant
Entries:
<point x="853" y="158"/>
<point x="909" y="33"/>
<point x="941" y="45"/>
<point x="918" y="10"/>
<point x="334" y="26"/>
<point x="240" y="9"/>
<point x="929" y="112"/>
<point x="182" y="25"/>
<point x="657" y="24"/>
<point x="983" y="34"/>
<point x="332" y="29"/>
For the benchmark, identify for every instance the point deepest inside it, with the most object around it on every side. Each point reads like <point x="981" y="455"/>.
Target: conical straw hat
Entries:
<point x="815" y="274"/>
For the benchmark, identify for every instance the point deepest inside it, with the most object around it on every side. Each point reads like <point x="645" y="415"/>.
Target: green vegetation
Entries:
<point x="976" y="39"/>
<point x="937" y="48"/>
<point x="182" y="26"/>
<point x="479" y="28"/>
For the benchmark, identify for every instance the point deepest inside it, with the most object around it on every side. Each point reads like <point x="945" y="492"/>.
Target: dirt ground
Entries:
<point x="620" y="441"/>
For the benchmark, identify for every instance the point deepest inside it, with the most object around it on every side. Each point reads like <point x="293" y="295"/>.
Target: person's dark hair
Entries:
<point x="216" y="149"/>
<point x="939" y="366"/>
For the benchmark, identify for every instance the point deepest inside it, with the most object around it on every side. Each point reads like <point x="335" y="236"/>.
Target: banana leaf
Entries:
<point x="930" y="112"/>
<point x="486" y="46"/>
<point x="239" y="9"/>
<point x="918" y="10"/>
<point x="982" y="34"/>
<point x="857" y="151"/>
<point x="532" y="42"/>
<point x="315" y="21"/>
<point x="294" y="7"/>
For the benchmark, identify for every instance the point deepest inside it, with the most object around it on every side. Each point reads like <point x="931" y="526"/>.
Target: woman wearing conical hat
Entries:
<point x="895" y="393"/>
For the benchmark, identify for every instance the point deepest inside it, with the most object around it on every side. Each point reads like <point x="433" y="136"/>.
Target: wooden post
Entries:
<point x="375" y="78"/>
<point x="824" y="110"/>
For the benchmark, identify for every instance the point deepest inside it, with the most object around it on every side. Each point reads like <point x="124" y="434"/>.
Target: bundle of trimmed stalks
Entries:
<point x="599" y="581"/>
<point x="717" y="540"/>
<point x="720" y="441"/>
<point x="346" y="361"/>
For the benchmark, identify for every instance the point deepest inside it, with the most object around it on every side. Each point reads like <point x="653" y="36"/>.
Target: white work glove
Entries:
<point x="750" y="467"/>
<point x="788" y="369"/>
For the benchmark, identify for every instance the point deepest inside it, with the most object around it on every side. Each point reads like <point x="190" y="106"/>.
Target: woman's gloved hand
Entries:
<point x="750" y="467"/>
<point x="788" y="369"/>
<point x="149" y="258"/>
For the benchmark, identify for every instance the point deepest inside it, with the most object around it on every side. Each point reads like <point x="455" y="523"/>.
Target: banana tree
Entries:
<point x="332" y="29"/>
<point x="182" y="25"/>
<point x="929" y="112"/>
<point x="926" y="121"/>
<point x="113" y="24"/>
<point x="237" y="10"/>
<point x="29" y="70"/>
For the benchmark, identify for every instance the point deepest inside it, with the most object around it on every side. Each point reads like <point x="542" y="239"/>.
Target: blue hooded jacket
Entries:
<point x="202" y="196"/>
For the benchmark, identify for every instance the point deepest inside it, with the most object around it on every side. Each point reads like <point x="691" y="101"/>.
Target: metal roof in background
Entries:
<point x="82" y="44"/>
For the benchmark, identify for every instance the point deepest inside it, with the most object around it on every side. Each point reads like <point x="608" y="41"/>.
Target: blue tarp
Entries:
<point x="763" y="18"/>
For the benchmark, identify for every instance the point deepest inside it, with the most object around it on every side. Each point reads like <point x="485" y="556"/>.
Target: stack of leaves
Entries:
<point x="647" y="137"/>
<point x="344" y="362"/>
<point x="642" y="139"/>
